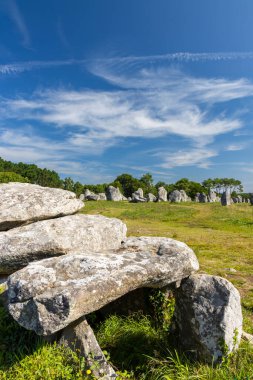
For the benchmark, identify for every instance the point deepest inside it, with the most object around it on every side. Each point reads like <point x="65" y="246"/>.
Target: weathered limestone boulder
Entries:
<point x="140" y="192"/>
<point x="48" y="295"/>
<point x="208" y="316"/>
<point x="79" y="337"/>
<point x="151" y="197"/>
<point x="56" y="237"/>
<point x="226" y="199"/>
<point x="235" y="200"/>
<point x="184" y="196"/>
<point x="212" y="196"/>
<point x="196" y="198"/>
<point x="239" y="197"/>
<point x="203" y="198"/>
<point x="92" y="197"/>
<point x="102" y="196"/>
<point x="23" y="203"/>
<point x="162" y="194"/>
<point x="86" y="193"/>
<point x="137" y="196"/>
<point x="81" y="197"/>
<point x="113" y="194"/>
<point x="175" y="196"/>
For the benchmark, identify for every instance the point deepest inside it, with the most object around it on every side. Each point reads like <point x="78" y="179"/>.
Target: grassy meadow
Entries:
<point x="222" y="238"/>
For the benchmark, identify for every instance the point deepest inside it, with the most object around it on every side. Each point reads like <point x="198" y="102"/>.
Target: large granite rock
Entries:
<point x="137" y="197"/>
<point x="102" y="196"/>
<point x="56" y="237"/>
<point x="203" y="198"/>
<point x="175" y="196"/>
<point x="226" y="199"/>
<point x="23" y="203"/>
<point x="151" y="197"/>
<point x="162" y="194"/>
<point x="184" y="196"/>
<point x="212" y="196"/>
<point x="208" y="316"/>
<point x="79" y="337"/>
<point x="113" y="194"/>
<point x="48" y="295"/>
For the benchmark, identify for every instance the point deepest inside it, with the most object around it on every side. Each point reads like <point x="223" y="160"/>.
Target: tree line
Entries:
<point x="21" y="172"/>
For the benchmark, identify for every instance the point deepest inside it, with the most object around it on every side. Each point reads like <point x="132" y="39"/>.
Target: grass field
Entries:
<point x="222" y="238"/>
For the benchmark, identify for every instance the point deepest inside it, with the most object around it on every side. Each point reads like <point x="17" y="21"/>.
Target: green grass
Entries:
<point x="222" y="238"/>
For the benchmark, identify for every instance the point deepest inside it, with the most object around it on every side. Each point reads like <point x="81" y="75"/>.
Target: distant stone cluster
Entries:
<point x="176" y="196"/>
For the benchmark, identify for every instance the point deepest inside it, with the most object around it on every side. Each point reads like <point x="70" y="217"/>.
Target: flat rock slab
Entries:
<point x="23" y="203"/>
<point x="55" y="237"/>
<point x="208" y="316"/>
<point x="48" y="295"/>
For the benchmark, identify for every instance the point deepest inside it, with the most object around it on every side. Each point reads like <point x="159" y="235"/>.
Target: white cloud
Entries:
<point x="235" y="147"/>
<point x="147" y="104"/>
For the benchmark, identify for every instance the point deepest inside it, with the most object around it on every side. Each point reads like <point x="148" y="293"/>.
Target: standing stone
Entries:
<point x="92" y="197"/>
<point x="56" y="237"/>
<point x="203" y="198"/>
<point x="175" y="196"/>
<point x="196" y="199"/>
<point x="239" y="197"/>
<point x="102" y="196"/>
<point x="113" y="194"/>
<point x="162" y="194"/>
<point x="151" y="197"/>
<point x="212" y="196"/>
<point x="81" y="197"/>
<point x="80" y="338"/>
<point x="137" y="196"/>
<point x="24" y="203"/>
<point x="184" y="197"/>
<point x="235" y="200"/>
<point x="226" y="199"/>
<point x="208" y="316"/>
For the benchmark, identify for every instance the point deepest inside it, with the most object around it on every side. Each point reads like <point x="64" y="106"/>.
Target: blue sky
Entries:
<point x="95" y="88"/>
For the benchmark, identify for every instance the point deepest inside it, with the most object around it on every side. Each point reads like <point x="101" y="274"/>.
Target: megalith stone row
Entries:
<point x="63" y="265"/>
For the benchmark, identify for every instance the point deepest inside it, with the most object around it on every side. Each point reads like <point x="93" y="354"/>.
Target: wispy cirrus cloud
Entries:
<point x="19" y="21"/>
<point x="144" y="103"/>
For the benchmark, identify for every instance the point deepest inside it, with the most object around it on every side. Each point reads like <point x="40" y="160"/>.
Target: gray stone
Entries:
<point x="196" y="199"/>
<point x="208" y="316"/>
<point x="235" y="200"/>
<point x="151" y="197"/>
<point x="248" y="337"/>
<point x="226" y="199"/>
<point x="212" y="196"/>
<point x="60" y="236"/>
<point x="203" y="198"/>
<point x="80" y="338"/>
<point x="184" y="196"/>
<point x="162" y="194"/>
<point x="113" y="194"/>
<point x="102" y="196"/>
<point x="48" y="295"/>
<point x="23" y="203"/>
<point x="92" y="197"/>
<point x="81" y="197"/>
<point x="239" y="197"/>
<point x="250" y="200"/>
<point x="137" y="197"/>
<point x="175" y="196"/>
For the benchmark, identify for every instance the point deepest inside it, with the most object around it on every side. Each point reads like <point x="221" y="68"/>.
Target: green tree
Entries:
<point x="6" y="177"/>
<point x="127" y="183"/>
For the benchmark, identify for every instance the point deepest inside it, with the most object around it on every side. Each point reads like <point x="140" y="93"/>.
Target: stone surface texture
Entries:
<point x="48" y="295"/>
<point x="23" y="203"/>
<point x="175" y="196"/>
<point x="162" y="194"/>
<point x="80" y="338"/>
<point x="55" y="237"/>
<point x="226" y="199"/>
<point x="113" y="194"/>
<point x="151" y="197"/>
<point x="208" y="316"/>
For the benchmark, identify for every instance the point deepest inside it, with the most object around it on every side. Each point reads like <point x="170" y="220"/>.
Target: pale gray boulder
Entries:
<point x="56" y="237"/>
<point x="175" y="196"/>
<point x="79" y="337"/>
<point x="81" y="197"/>
<point x="48" y="295"/>
<point x="151" y="197"/>
<point x="239" y="197"/>
<point x="162" y="194"/>
<point x="92" y="197"/>
<point x="212" y="196"/>
<point x="226" y="199"/>
<point x="137" y="198"/>
<point x="208" y="316"/>
<point x="196" y="198"/>
<point x="113" y="194"/>
<point x="23" y="203"/>
<point x="184" y="196"/>
<point x="102" y="196"/>
<point x="203" y="198"/>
